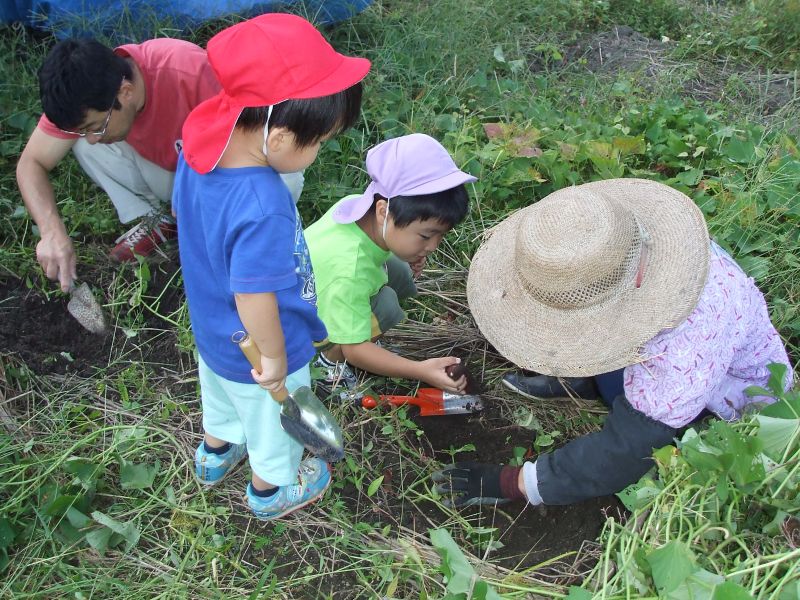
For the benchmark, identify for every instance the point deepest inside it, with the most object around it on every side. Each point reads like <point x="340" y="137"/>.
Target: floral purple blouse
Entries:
<point x="723" y="347"/>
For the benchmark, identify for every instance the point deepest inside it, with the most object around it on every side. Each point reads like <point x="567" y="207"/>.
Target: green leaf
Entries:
<point x="671" y="565"/>
<point x="576" y="593"/>
<point x="59" y="505"/>
<point x="755" y="266"/>
<point x="23" y="121"/>
<point x="99" y="539"/>
<point x="373" y="487"/>
<point x="128" y="531"/>
<point x="461" y="577"/>
<point x="629" y="145"/>
<point x="776" y="434"/>
<point x="445" y="122"/>
<point x="691" y="177"/>
<point x="786" y="408"/>
<point x="77" y="519"/>
<point x="730" y="591"/>
<point x="740" y="151"/>
<point x="699" y="585"/>
<point x="7" y="533"/>
<point x="723" y="488"/>
<point x="777" y="377"/>
<point x="136" y="476"/>
<point x="638" y="495"/>
<point x="498" y="54"/>
<point x="454" y="566"/>
<point x="86" y="472"/>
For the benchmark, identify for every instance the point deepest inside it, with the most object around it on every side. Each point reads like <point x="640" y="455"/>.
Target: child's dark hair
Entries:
<point x="78" y="75"/>
<point x="310" y="119"/>
<point x="449" y="207"/>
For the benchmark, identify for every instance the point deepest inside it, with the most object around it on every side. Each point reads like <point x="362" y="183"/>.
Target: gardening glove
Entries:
<point x="470" y="483"/>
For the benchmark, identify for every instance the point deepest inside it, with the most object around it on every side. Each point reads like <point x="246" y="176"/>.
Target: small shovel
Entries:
<point x="432" y="402"/>
<point x="84" y="307"/>
<point x="303" y="416"/>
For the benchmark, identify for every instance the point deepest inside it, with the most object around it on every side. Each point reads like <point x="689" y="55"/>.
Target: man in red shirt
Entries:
<point x="121" y="112"/>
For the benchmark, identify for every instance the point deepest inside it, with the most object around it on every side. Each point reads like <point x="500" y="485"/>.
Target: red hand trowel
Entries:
<point x="432" y="402"/>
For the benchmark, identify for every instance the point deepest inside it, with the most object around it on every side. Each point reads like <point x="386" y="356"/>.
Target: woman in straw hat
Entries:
<point x="616" y="284"/>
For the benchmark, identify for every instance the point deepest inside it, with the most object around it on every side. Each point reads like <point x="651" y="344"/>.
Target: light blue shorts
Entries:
<point x="245" y="413"/>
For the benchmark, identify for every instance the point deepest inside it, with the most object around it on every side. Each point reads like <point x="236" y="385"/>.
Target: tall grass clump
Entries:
<point x="773" y="26"/>
<point x="720" y="520"/>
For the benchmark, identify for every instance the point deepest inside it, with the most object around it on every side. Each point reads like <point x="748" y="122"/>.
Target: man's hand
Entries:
<point x="470" y="483"/>
<point x="56" y="254"/>
<point x="273" y="373"/>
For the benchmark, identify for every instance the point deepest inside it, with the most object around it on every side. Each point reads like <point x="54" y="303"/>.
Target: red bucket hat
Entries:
<point x="262" y="62"/>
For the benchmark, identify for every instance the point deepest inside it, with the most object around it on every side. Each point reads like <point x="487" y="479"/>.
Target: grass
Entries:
<point x="97" y="493"/>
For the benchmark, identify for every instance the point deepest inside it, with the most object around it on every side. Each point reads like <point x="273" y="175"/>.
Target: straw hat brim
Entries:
<point x="609" y="335"/>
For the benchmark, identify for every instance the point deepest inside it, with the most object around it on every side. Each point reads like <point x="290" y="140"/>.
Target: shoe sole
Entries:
<point x="289" y="511"/>
<point x="210" y="484"/>
<point x="521" y="392"/>
<point x="158" y="255"/>
<point x="532" y="397"/>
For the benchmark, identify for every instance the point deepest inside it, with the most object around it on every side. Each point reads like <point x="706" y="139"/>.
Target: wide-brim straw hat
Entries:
<point x="557" y="287"/>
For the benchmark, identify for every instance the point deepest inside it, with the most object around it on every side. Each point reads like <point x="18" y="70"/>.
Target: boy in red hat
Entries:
<point x="245" y="261"/>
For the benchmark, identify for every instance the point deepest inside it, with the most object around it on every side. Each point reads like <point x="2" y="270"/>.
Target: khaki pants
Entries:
<point x="386" y="310"/>
<point x="136" y="186"/>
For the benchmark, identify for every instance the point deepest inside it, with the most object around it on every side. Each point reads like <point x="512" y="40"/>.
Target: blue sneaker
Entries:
<point x="314" y="478"/>
<point x="210" y="468"/>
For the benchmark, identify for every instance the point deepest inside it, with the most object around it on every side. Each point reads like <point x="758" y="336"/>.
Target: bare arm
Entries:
<point x="259" y="315"/>
<point x="375" y="359"/>
<point x="54" y="251"/>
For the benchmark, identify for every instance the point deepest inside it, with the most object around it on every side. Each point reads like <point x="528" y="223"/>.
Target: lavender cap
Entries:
<point x="411" y="165"/>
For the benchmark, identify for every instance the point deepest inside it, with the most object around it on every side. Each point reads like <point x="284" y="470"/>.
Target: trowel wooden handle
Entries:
<point x="251" y="352"/>
<point x="253" y="355"/>
<point x="281" y="395"/>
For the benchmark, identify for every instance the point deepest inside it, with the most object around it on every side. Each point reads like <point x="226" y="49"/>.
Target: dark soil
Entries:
<point x="44" y="335"/>
<point x="40" y="333"/>
<point x="536" y="533"/>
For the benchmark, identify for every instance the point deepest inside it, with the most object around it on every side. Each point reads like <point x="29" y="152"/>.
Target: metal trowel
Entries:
<point x="303" y="416"/>
<point x="85" y="308"/>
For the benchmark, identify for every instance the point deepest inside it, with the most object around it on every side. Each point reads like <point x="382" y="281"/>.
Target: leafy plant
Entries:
<point x="711" y="522"/>
<point x="461" y="579"/>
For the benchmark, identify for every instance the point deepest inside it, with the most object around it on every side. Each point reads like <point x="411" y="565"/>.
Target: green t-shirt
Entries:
<point x="349" y="270"/>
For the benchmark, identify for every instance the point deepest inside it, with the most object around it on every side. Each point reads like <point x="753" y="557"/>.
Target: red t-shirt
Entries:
<point x="177" y="77"/>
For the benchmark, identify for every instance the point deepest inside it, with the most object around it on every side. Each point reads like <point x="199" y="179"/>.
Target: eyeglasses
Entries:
<point x="100" y="133"/>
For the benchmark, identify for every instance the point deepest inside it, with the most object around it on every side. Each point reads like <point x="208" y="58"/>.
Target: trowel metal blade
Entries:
<point x="86" y="310"/>
<point x="455" y="404"/>
<point x="305" y="418"/>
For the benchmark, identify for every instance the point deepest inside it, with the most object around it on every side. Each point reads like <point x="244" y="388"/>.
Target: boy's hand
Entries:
<point x="432" y="372"/>
<point x="273" y="373"/>
<point x="417" y="266"/>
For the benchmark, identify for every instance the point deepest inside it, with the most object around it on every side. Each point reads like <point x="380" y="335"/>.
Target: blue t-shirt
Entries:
<point x="239" y="232"/>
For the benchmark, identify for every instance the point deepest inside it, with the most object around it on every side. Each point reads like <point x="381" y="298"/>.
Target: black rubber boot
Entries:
<point x="545" y="386"/>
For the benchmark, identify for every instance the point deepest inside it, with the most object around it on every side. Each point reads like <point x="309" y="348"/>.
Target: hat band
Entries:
<point x="266" y="130"/>
<point x="612" y="283"/>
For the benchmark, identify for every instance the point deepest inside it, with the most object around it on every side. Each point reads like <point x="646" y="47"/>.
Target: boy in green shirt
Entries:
<point x="367" y="249"/>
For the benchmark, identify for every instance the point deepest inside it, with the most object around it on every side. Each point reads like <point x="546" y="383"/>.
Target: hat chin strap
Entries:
<point x="385" y="220"/>
<point x="266" y="130"/>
